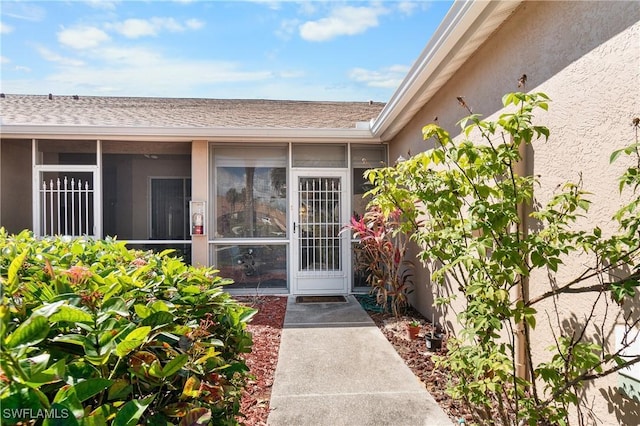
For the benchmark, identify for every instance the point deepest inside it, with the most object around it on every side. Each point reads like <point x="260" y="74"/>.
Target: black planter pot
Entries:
<point x="434" y="341"/>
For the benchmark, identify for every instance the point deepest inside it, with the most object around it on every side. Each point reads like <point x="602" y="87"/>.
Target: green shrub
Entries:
<point x="94" y="334"/>
<point x="380" y="254"/>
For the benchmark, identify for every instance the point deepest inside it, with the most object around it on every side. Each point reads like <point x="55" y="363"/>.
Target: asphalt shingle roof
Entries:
<point x="183" y="113"/>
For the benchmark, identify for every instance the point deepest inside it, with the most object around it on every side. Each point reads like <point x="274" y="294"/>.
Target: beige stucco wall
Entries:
<point x="586" y="57"/>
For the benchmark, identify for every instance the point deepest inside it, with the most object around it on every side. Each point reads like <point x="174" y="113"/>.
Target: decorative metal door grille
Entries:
<point x="66" y="205"/>
<point x="320" y="223"/>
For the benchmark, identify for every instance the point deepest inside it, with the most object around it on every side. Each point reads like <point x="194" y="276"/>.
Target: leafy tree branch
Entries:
<point x="462" y="203"/>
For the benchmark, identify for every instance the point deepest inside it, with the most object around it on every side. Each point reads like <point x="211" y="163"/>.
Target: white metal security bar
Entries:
<point x="319" y="223"/>
<point x="66" y="206"/>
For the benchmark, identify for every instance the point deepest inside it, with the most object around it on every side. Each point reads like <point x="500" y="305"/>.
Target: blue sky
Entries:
<point x="308" y="50"/>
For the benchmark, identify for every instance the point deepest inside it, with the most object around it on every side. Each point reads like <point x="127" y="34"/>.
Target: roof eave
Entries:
<point x="463" y="30"/>
<point x="186" y="134"/>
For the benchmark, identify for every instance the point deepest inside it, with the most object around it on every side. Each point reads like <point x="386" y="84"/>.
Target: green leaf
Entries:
<point x="155" y="369"/>
<point x="132" y="341"/>
<point x="32" y="331"/>
<point x="142" y="311"/>
<point x="160" y="306"/>
<point x="74" y="339"/>
<point x="68" y="398"/>
<point x="116" y="306"/>
<point x="627" y="150"/>
<point x="120" y="389"/>
<point x="35" y="364"/>
<point x="52" y="374"/>
<point x="158" y="318"/>
<point x="191" y="289"/>
<point x="91" y="387"/>
<point x="174" y="365"/>
<point x="429" y="130"/>
<point x="248" y="314"/>
<point x="59" y="415"/>
<point x="96" y="418"/>
<point x="48" y="309"/>
<point x="531" y="320"/>
<point x="71" y="314"/>
<point x="131" y="412"/>
<point x="14" y="268"/>
<point x="107" y="337"/>
<point x="16" y="397"/>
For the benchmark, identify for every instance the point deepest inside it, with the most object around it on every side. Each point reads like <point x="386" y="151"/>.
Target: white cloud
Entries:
<point x="5" y="29"/>
<point x="166" y="83"/>
<point x="101" y="4"/>
<point x="159" y="78"/>
<point x="388" y="78"/>
<point x="307" y="8"/>
<point x="52" y="56"/>
<point x="24" y="11"/>
<point x="136" y="28"/>
<point x="22" y="68"/>
<point x="4" y="60"/>
<point x="271" y="4"/>
<point x="142" y="71"/>
<point x="291" y="74"/>
<point x="168" y="24"/>
<point x="194" y="24"/>
<point x="287" y="28"/>
<point x="131" y="56"/>
<point x="346" y="20"/>
<point x="407" y="7"/>
<point x="82" y="37"/>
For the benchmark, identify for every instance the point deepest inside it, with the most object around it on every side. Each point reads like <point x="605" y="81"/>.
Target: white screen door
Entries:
<point x="320" y="249"/>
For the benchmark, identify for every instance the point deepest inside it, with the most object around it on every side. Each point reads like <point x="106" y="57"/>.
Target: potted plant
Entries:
<point x="414" y="329"/>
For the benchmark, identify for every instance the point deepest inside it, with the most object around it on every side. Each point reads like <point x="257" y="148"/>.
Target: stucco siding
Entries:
<point x="586" y="57"/>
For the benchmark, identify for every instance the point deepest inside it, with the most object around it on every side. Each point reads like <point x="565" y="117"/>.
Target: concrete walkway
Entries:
<point x="336" y="368"/>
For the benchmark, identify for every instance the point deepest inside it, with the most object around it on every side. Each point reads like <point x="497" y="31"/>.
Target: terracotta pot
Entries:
<point x="414" y="330"/>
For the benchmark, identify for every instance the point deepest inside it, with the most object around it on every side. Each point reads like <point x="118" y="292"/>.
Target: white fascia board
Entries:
<point x="156" y="134"/>
<point x="462" y="17"/>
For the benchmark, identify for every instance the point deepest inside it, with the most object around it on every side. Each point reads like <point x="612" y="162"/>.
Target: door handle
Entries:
<point x="294" y="227"/>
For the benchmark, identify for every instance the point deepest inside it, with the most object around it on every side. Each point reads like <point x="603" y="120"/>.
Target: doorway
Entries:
<point x="320" y="255"/>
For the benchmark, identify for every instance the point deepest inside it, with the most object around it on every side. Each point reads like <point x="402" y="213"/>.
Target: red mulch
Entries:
<point x="266" y="327"/>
